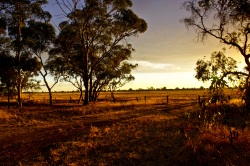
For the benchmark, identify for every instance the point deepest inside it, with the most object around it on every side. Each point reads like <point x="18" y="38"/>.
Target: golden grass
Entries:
<point x="130" y="132"/>
<point x="214" y="144"/>
<point x="147" y="135"/>
<point x="132" y="142"/>
<point x="121" y="96"/>
<point x="5" y="115"/>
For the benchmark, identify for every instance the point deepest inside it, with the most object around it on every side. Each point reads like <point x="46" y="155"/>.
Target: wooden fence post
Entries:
<point x="145" y="98"/>
<point x="137" y="99"/>
<point x="167" y="99"/>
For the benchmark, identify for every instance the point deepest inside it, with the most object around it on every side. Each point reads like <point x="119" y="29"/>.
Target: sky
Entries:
<point x="167" y="52"/>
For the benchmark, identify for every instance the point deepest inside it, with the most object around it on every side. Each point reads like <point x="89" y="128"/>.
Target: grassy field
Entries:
<point x="129" y="132"/>
<point x="160" y="96"/>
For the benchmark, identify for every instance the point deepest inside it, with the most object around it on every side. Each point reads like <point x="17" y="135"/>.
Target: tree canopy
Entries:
<point x="227" y="21"/>
<point x="38" y="37"/>
<point x="220" y="70"/>
<point x="14" y="16"/>
<point x="92" y="44"/>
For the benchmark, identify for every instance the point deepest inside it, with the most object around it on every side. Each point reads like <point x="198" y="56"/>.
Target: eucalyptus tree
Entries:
<point x="9" y="73"/>
<point x="221" y="71"/>
<point x="7" y="83"/>
<point x="228" y="21"/>
<point x="14" y="15"/>
<point x="112" y="73"/>
<point x="61" y="68"/>
<point x="96" y="31"/>
<point x="38" y="36"/>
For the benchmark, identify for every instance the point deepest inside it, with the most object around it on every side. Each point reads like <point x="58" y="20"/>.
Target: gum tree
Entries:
<point x="225" y="20"/>
<point x="9" y="73"/>
<point x="38" y="37"/>
<point x="220" y="70"/>
<point x="14" y="17"/>
<point x="96" y="32"/>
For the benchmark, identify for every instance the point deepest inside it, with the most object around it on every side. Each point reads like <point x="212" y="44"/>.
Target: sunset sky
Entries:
<point x="167" y="51"/>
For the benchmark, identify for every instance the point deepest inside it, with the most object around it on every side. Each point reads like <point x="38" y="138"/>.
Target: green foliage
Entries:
<point x="92" y="48"/>
<point x="15" y="16"/>
<point x="9" y="74"/>
<point x="219" y="70"/>
<point x="38" y="37"/>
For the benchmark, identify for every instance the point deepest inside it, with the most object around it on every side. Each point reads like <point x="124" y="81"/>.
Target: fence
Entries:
<point x="174" y="98"/>
<point x="161" y="98"/>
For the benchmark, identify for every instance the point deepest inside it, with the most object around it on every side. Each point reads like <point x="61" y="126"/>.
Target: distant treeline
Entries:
<point x="139" y="89"/>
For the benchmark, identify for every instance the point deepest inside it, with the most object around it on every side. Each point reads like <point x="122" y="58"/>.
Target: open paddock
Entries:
<point x="160" y="97"/>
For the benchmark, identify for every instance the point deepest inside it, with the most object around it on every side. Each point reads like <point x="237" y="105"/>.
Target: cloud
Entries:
<point x="146" y="66"/>
<point x="150" y="65"/>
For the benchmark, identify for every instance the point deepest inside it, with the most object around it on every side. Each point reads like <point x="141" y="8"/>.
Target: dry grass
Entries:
<point x="149" y="136"/>
<point x="213" y="148"/>
<point x="140" y="138"/>
<point x="121" y="133"/>
<point x="5" y="115"/>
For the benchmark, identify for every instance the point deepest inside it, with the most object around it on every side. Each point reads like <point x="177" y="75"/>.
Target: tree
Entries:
<point x="216" y="110"/>
<point x="227" y="21"/>
<point x="218" y="66"/>
<point x="164" y="88"/>
<point x="220" y="70"/>
<point x="9" y="73"/>
<point x="93" y="40"/>
<point x="7" y="83"/>
<point x="113" y="77"/>
<point x="60" y="68"/>
<point x="38" y="36"/>
<point x="14" y="16"/>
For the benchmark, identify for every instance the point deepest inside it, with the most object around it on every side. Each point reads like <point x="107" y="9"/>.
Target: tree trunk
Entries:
<point x="247" y="85"/>
<point x="8" y="89"/>
<point x="18" y="54"/>
<point x="80" y="98"/>
<point x="90" y="89"/>
<point x="86" y="97"/>
<point x="50" y="97"/>
<point x="86" y="80"/>
<point x="49" y="89"/>
<point x="247" y="94"/>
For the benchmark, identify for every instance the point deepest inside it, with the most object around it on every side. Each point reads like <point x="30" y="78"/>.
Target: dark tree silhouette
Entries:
<point x="38" y="36"/>
<point x="9" y="73"/>
<point x="227" y="21"/>
<point x="14" y="16"/>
